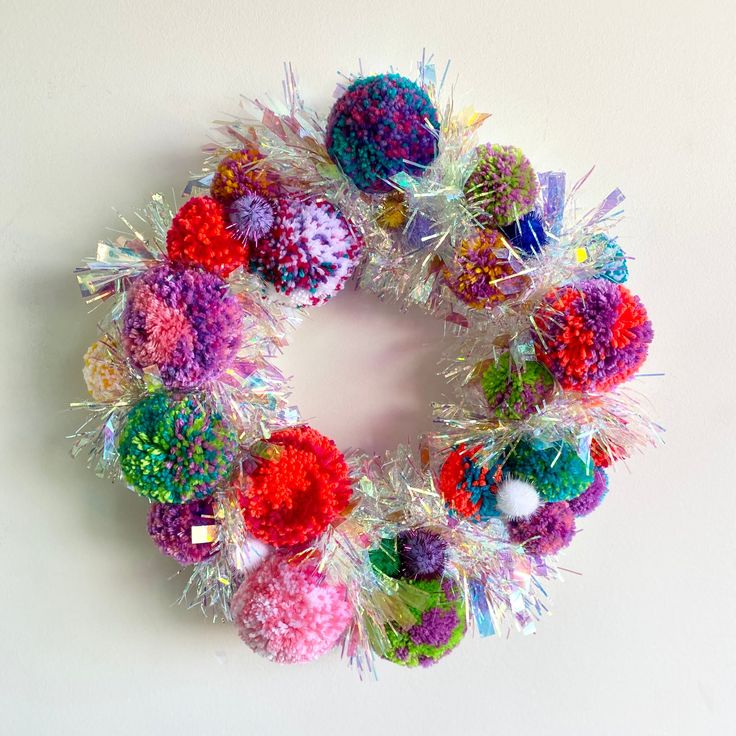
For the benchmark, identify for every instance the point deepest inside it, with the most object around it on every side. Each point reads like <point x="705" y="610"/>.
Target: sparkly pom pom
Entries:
<point x="393" y="211"/>
<point x="611" y="258"/>
<point x="173" y="451"/>
<point x="251" y="216"/>
<point x="439" y="627"/>
<point x="288" y="613"/>
<point x="199" y="235"/>
<point x="380" y="126"/>
<point x="482" y="274"/>
<point x="550" y="529"/>
<point x="526" y="235"/>
<point x="421" y="232"/>
<point x="183" y="322"/>
<point x="105" y="378"/>
<point x="604" y="455"/>
<point x="310" y="252"/>
<point x="468" y="487"/>
<point x="503" y="184"/>
<point x="240" y="173"/>
<point x="421" y="554"/>
<point x="292" y="498"/>
<point x="591" y="497"/>
<point x="515" y="392"/>
<point x="170" y="526"/>
<point x="593" y="335"/>
<point x="517" y="499"/>
<point x="556" y="471"/>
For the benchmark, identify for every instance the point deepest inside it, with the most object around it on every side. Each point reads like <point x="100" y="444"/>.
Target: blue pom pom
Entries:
<point x="526" y="235"/>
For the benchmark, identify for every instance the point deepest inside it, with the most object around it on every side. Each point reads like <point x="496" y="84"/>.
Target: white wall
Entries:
<point x="104" y="102"/>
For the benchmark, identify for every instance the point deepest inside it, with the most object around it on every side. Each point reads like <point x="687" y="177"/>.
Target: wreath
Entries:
<point x="302" y="546"/>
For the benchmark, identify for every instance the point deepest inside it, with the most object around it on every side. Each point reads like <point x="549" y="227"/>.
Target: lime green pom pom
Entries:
<point x="514" y="392"/>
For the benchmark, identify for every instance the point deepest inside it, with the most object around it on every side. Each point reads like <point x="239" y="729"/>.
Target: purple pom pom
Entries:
<point x="170" y="526"/>
<point x="251" y="216"/>
<point x="545" y="532"/>
<point x="591" y="497"/>
<point x="421" y="554"/>
<point x="435" y="628"/>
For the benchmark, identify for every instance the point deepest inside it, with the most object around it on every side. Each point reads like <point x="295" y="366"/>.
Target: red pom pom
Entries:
<point x="292" y="498"/>
<point x="199" y="235"/>
<point x="603" y="457"/>
<point x="461" y="477"/>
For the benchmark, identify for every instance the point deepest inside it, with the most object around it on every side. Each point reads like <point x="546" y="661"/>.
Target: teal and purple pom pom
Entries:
<point x="382" y="125"/>
<point x="173" y="451"/>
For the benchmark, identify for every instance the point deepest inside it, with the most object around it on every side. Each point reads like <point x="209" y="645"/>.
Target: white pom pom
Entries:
<point x="517" y="499"/>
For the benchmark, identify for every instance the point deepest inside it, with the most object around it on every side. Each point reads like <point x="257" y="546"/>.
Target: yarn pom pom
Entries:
<point x="105" y="377"/>
<point x="503" y="185"/>
<point x="240" y="173"/>
<point x="172" y="451"/>
<point x="515" y="392"/>
<point x="170" y="526"/>
<point x="591" y="497"/>
<point x="198" y="235"/>
<point x="288" y="613"/>
<point x="251" y="216"/>
<point x="517" y="499"/>
<point x="482" y="273"/>
<point x="556" y="470"/>
<point x="421" y="232"/>
<point x="380" y="126"/>
<point x="468" y="487"/>
<point x="183" y="322"/>
<point x="421" y="554"/>
<point x="547" y="531"/>
<point x="439" y="627"/>
<point x="611" y="258"/>
<point x="291" y="498"/>
<point x="593" y="335"/>
<point x="604" y="455"/>
<point x="310" y="252"/>
<point x="526" y="235"/>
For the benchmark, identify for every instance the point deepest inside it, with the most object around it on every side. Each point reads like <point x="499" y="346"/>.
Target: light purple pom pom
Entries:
<point x="251" y="216"/>
<point x="170" y="526"/>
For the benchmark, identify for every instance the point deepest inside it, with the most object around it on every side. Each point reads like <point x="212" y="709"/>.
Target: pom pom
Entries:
<point x="380" y="126"/>
<point x="292" y="498"/>
<point x="503" y="184"/>
<point x="173" y="451"/>
<point x="385" y="558"/>
<point x="198" y="235"/>
<point x="421" y="554"/>
<point x="482" y="274"/>
<point x="605" y="455"/>
<point x="251" y="216"/>
<point x="591" y="497"/>
<point x="393" y="211"/>
<point x="517" y="499"/>
<point x="439" y="628"/>
<point x="611" y="258"/>
<point x="527" y="234"/>
<point x="183" y="322"/>
<point x="593" y="335"/>
<point x="310" y="252"/>
<point x="556" y="471"/>
<point x="240" y="173"/>
<point x="515" y="392"/>
<point x="288" y="613"/>
<point x="421" y="232"/>
<point x="170" y="526"/>
<point x="468" y="487"/>
<point x="105" y="377"/>
<point x="550" y="529"/>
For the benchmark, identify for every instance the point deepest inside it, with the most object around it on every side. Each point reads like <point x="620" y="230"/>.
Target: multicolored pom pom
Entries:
<point x="243" y="172"/>
<point x="469" y="488"/>
<point x="503" y="185"/>
<point x="516" y="392"/>
<point x="526" y="235"/>
<point x="292" y="498"/>
<point x="175" y="450"/>
<point x="288" y="613"/>
<point x="175" y="528"/>
<point x="592" y="335"/>
<point x="310" y="252"/>
<point x="382" y="125"/>
<point x="105" y="377"/>
<point x="183" y="322"/>
<point x="590" y="499"/>
<point x="550" y="529"/>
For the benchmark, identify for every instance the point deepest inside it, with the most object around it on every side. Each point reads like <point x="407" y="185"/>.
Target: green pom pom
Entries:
<point x="515" y="392"/>
<point x="385" y="557"/>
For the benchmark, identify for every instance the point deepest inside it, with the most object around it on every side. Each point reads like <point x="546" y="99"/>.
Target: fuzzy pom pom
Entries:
<point x="310" y="252"/>
<point x="288" y="613"/>
<point x="550" y="529"/>
<point x="241" y="172"/>
<point x="591" y="497"/>
<point x="439" y="628"/>
<point x="105" y="377"/>
<point x="393" y="211"/>
<point x="527" y="234"/>
<point x="503" y="184"/>
<point x="251" y="216"/>
<point x="483" y="273"/>
<point x="468" y="487"/>
<point x="515" y="392"/>
<point x="421" y="232"/>
<point x="556" y="470"/>
<point x="517" y="499"/>
<point x="385" y="557"/>
<point x="292" y="498"/>
<point x="199" y="235"/>
<point x="604" y="455"/>
<point x="611" y="257"/>
<point x="421" y="554"/>
<point x="173" y="451"/>
<point x="182" y="321"/>
<point x="170" y="526"/>
<point x="592" y="335"/>
<point x="380" y="126"/>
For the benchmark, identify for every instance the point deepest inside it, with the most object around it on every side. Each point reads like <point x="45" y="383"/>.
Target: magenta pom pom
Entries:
<point x="591" y="497"/>
<point x="170" y="526"/>
<point x="547" y="531"/>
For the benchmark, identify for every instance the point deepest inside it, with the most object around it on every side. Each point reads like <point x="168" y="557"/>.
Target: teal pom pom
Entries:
<point x="173" y="451"/>
<point x="612" y="259"/>
<point x="556" y="470"/>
